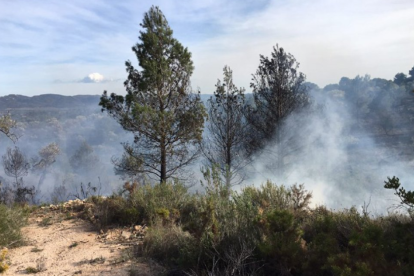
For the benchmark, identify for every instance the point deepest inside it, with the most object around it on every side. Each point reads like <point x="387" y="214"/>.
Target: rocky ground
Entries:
<point x="58" y="242"/>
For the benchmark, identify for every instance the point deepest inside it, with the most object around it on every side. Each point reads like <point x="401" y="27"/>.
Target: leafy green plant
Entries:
<point x="270" y="196"/>
<point x="171" y="245"/>
<point x="160" y="202"/>
<point x="281" y="241"/>
<point x="112" y="210"/>
<point x="12" y="219"/>
<point x="145" y="204"/>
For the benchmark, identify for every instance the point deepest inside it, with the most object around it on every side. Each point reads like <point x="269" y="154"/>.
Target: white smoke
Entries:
<point x="342" y="167"/>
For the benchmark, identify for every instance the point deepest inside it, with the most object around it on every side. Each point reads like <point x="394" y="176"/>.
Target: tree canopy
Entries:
<point x="278" y="91"/>
<point x="6" y="126"/>
<point x="224" y="144"/>
<point x="159" y="108"/>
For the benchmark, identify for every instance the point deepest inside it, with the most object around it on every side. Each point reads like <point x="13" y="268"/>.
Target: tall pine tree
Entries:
<point x="224" y="145"/>
<point x="279" y="90"/>
<point x="159" y="108"/>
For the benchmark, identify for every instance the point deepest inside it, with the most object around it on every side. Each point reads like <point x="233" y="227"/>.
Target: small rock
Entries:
<point x="126" y="235"/>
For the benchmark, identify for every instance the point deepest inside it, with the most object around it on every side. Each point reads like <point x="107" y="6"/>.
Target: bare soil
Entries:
<point x="59" y="244"/>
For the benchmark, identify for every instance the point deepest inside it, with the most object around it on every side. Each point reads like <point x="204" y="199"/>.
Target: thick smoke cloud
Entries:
<point x="343" y="163"/>
<point x="86" y="141"/>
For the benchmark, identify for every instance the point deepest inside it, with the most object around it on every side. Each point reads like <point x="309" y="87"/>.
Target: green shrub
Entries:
<point x="399" y="242"/>
<point x="113" y="210"/>
<point x="270" y="196"/>
<point x="11" y="221"/>
<point x="171" y="245"/>
<point x="348" y="243"/>
<point x="144" y="204"/>
<point x="364" y="254"/>
<point x="344" y="265"/>
<point x="281" y="242"/>
<point x="222" y="232"/>
<point x="161" y="202"/>
<point x="321" y="239"/>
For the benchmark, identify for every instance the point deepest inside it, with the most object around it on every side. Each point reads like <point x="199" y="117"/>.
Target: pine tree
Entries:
<point x="7" y="124"/>
<point x="279" y="90"/>
<point x="159" y="108"/>
<point x="224" y="145"/>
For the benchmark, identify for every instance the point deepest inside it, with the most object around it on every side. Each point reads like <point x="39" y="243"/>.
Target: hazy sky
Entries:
<point x="80" y="47"/>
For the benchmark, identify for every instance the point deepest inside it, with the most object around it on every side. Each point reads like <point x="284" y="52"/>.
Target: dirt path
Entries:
<point x="59" y="246"/>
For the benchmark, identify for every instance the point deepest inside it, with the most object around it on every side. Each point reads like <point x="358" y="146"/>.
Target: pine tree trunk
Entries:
<point x="163" y="177"/>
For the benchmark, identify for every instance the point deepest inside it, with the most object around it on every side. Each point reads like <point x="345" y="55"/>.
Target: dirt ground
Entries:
<point x="57" y="244"/>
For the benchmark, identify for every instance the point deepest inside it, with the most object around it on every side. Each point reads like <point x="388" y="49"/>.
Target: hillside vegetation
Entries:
<point x="266" y="230"/>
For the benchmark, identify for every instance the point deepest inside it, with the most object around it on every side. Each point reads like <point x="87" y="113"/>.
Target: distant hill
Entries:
<point x="46" y="106"/>
<point x="47" y="101"/>
<point x="55" y="101"/>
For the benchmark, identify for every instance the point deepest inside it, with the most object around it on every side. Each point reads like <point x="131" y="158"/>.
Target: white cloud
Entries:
<point x="331" y="39"/>
<point x="93" y="78"/>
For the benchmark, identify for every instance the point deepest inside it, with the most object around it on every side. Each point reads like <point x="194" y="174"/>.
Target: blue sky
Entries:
<point x="80" y="47"/>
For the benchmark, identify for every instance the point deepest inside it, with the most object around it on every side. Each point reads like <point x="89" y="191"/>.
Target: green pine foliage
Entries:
<point x="7" y="125"/>
<point x="224" y="146"/>
<point x="166" y="118"/>
<point x="406" y="197"/>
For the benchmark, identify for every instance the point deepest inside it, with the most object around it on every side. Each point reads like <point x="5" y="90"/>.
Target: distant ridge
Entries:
<point x="13" y="101"/>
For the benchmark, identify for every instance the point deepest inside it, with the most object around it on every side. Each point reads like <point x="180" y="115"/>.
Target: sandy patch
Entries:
<point x="59" y="246"/>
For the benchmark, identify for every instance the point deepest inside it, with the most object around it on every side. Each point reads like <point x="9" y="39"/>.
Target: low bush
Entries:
<point x="144" y="204"/>
<point x="281" y="246"/>
<point x="11" y="221"/>
<point x="266" y="230"/>
<point x="171" y="245"/>
<point x="160" y="203"/>
<point x="110" y="210"/>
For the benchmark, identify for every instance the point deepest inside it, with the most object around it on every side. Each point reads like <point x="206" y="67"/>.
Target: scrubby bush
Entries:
<point x="171" y="245"/>
<point x="111" y="210"/>
<point x="230" y="231"/>
<point x="11" y="221"/>
<point x="266" y="230"/>
<point x="281" y="246"/>
<point x="272" y="197"/>
<point x="145" y="204"/>
<point x="399" y="242"/>
<point x="160" y="203"/>
<point x="349" y="243"/>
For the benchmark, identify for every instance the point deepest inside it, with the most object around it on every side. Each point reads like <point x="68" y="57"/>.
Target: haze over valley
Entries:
<point x="358" y="132"/>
